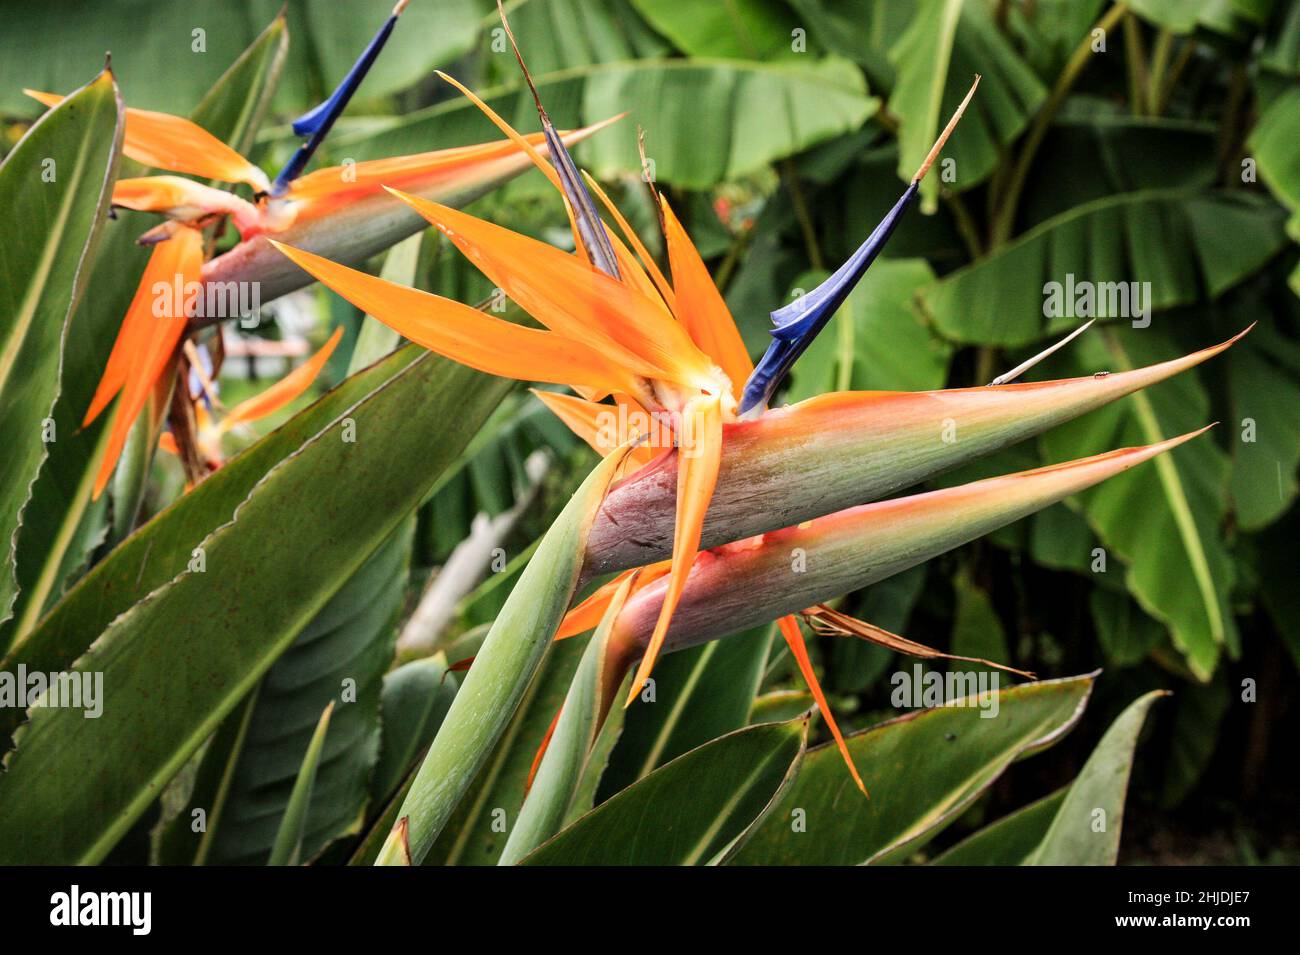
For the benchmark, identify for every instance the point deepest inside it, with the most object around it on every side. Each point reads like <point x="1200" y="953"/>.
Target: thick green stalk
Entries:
<point x="503" y="668"/>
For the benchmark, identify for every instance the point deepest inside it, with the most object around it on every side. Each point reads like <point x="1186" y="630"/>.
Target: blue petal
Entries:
<point x="317" y="122"/>
<point x="798" y="323"/>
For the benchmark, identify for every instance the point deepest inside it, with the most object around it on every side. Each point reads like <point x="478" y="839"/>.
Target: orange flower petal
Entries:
<point x="647" y="260"/>
<point x="462" y="333"/>
<point x="154" y="323"/>
<point x="700" y="306"/>
<point x="697" y="473"/>
<point x="183" y="199"/>
<point x="599" y="425"/>
<point x="285" y="390"/>
<point x="794" y="640"/>
<point x="412" y="173"/>
<point x="566" y="295"/>
<point x="170" y="142"/>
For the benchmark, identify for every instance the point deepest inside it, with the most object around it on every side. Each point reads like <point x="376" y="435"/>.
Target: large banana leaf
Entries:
<point x="55" y="187"/>
<point x="53" y="46"/>
<point x="946" y="44"/>
<point x="1262" y="380"/>
<point x="740" y="29"/>
<point x="62" y="524"/>
<point x="1234" y="18"/>
<point x="695" y="810"/>
<point x="1167" y="530"/>
<point x="923" y="769"/>
<point x="248" y="588"/>
<point x="1187" y="244"/>
<point x="705" y="120"/>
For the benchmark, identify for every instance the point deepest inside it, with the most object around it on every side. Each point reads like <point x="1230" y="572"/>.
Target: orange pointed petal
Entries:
<point x="567" y="295"/>
<point x="285" y="390"/>
<point x="794" y="640"/>
<point x="173" y="143"/>
<point x="700" y="306"/>
<point x="415" y="173"/>
<point x="154" y="323"/>
<point x="462" y="333"/>
<point x="697" y="473"/>
<point x="541" y="750"/>
<point x="183" y="199"/>
<point x="586" y="615"/>
<point x="598" y="424"/>
<point x="646" y="259"/>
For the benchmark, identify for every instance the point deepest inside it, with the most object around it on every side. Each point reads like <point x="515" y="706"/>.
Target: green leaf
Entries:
<point x="171" y="54"/>
<point x="1087" y="825"/>
<point x="1010" y="840"/>
<point x="1165" y="530"/>
<point x="977" y="629"/>
<point x="334" y="499"/>
<point x="1091" y="153"/>
<point x="1263" y="378"/>
<point x="234" y="108"/>
<point x="693" y="810"/>
<point x="62" y="525"/>
<point x="1187" y="244"/>
<point x="1048" y="31"/>
<point x="343" y="653"/>
<point x="1231" y="17"/>
<point x="738" y="29"/>
<point x="203" y="799"/>
<point x="700" y="694"/>
<point x="923" y="769"/>
<point x="55" y="187"/>
<point x="862" y="30"/>
<point x="148" y="559"/>
<point x="706" y="120"/>
<point x="510" y="656"/>
<point x="946" y="44"/>
<point x="1125" y="633"/>
<point x="340" y="657"/>
<point x="287" y="849"/>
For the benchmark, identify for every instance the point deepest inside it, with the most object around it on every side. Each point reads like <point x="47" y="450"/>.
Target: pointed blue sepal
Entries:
<point x="318" y="121"/>
<point x="797" y="324"/>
